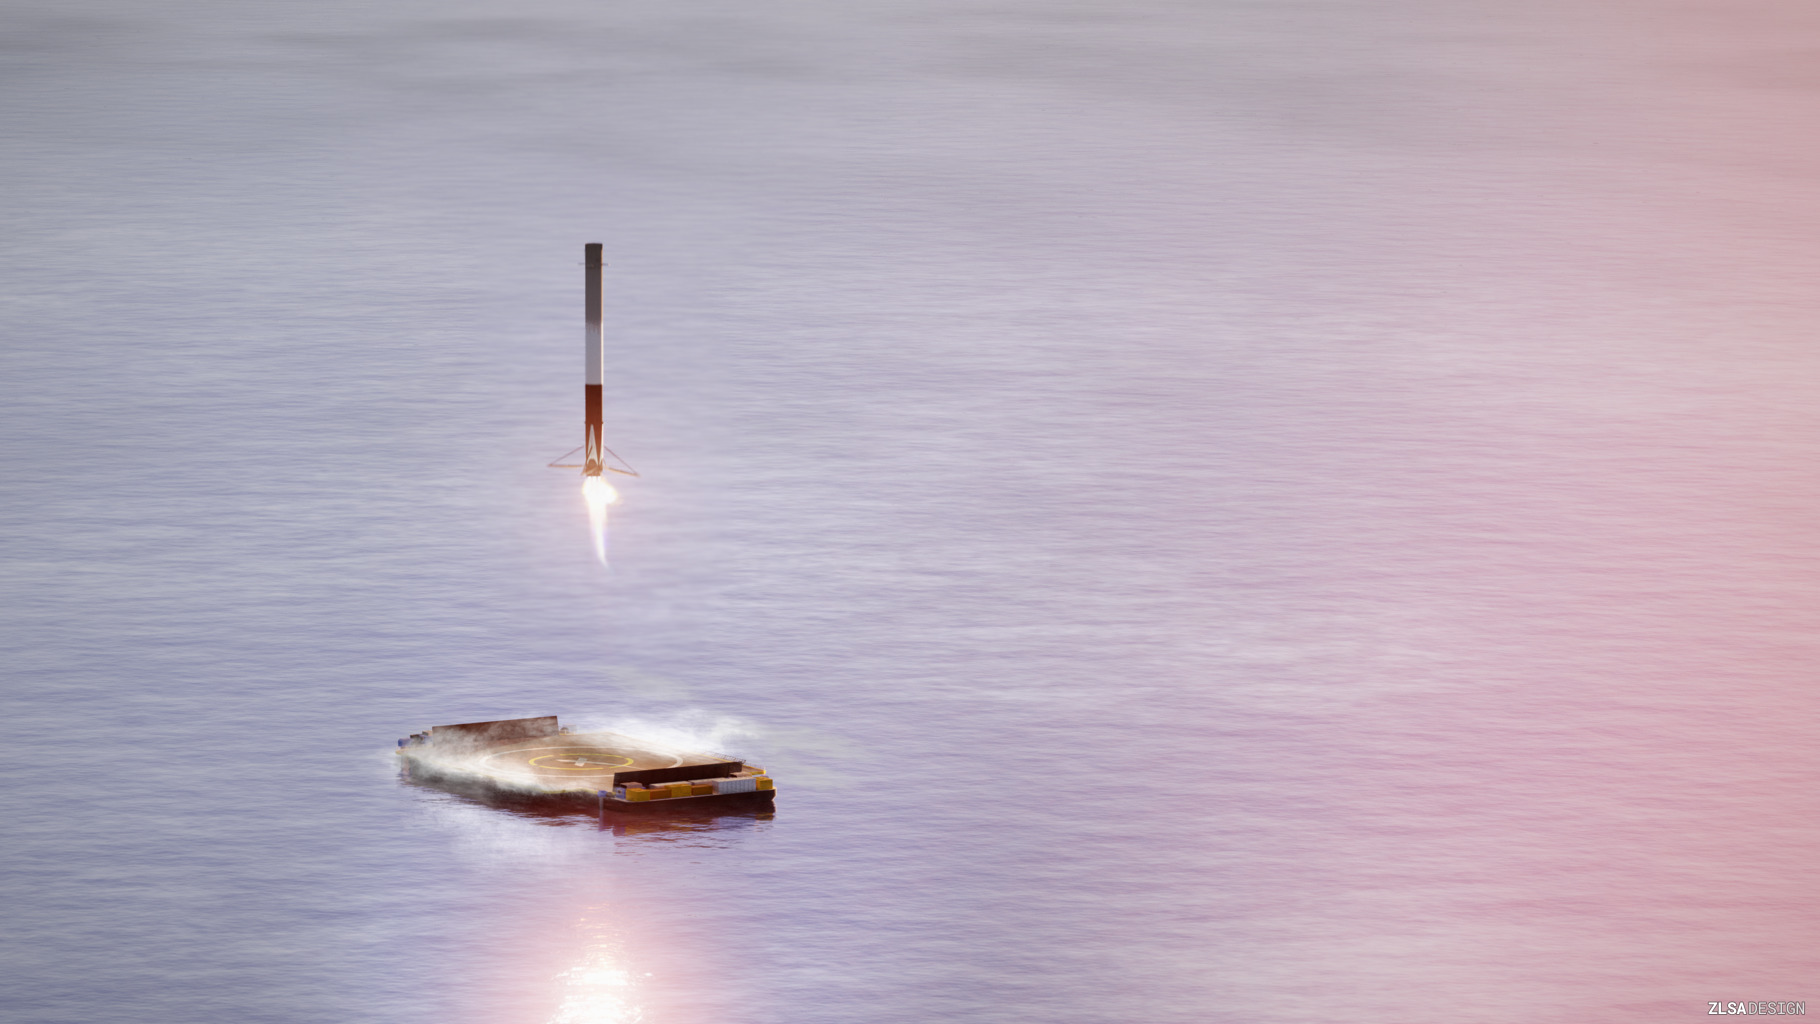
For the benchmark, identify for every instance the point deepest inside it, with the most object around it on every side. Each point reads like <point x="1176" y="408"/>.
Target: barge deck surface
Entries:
<point x="530" y="759"/>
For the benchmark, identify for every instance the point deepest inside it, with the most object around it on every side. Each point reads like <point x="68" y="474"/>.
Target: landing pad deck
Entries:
<point x="566" y="766"/>
<point x="578" y="760"/>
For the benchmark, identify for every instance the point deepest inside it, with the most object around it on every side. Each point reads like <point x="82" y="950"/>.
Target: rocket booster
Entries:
<point x="597" y="459"/>
<point x="592" y="447"/>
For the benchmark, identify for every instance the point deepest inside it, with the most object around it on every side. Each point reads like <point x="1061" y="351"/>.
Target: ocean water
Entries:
<point x="1213" y="512"/>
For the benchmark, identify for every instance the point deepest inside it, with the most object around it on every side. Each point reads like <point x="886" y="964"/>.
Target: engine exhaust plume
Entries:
<point x="599" y="495"/>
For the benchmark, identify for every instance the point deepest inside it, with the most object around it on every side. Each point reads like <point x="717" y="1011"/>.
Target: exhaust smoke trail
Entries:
<point x="599" y="494"/>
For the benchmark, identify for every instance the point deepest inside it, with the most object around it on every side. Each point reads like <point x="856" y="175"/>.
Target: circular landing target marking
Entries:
<point x="528" y="762"/>
<point x="580" y="762"/>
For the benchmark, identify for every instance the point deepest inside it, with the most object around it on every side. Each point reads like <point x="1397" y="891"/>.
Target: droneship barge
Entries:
<point x="536" y="759"/>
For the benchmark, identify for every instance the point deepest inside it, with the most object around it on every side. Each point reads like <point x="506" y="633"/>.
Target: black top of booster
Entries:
<point x="592" y="250"/>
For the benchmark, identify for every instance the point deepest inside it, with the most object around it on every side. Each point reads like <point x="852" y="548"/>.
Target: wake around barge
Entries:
<point x="536" y="759"/>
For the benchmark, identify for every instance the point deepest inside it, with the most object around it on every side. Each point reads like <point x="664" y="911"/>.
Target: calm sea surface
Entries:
<point x="1214" y="511"/>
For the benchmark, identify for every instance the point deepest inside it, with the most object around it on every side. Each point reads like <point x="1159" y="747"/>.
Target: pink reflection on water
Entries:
<point x="603" y="986"/>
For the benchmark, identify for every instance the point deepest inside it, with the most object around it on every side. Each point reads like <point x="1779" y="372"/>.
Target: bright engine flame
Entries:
<point x="598" y="494"/>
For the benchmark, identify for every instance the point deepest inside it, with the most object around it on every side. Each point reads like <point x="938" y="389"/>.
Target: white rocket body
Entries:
<point x="591" y="446"/>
